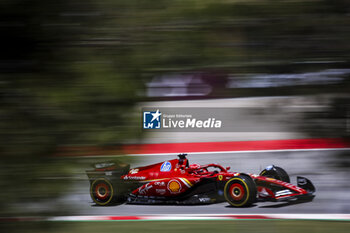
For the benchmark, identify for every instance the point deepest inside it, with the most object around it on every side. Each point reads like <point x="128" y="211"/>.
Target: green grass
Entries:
<point x="232" y="226"/>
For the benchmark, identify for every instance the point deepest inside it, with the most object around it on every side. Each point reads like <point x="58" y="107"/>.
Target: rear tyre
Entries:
<point x="240" y="191"/>
<point x="101" y="191"/>
<point x="275" y="172"/>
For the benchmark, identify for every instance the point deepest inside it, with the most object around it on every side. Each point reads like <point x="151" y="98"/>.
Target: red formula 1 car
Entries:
<point x="177" y="182"/>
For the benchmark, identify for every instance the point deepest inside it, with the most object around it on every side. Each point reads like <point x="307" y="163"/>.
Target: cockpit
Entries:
<point x="196" y="169"/>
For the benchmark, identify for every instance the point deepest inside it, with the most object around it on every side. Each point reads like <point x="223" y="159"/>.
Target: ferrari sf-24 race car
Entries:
<point x="177" y="182"/>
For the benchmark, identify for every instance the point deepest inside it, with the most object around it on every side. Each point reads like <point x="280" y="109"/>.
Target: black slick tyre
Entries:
<point x="240" y="191"/>
<point x="275" y="172"/>
<point x="101" y="191"/>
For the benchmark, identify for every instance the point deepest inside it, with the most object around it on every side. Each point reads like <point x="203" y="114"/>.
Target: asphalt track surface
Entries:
<point x="331" y="182"/>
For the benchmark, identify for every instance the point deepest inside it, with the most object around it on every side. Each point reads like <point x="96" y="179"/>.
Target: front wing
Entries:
<point x="270" y="189"/>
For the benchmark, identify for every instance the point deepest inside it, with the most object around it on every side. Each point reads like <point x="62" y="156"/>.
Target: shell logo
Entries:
<point x="174" y="186"/>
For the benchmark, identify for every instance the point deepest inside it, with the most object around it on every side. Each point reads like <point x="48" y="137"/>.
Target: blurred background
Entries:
<point x="74" y="73"/>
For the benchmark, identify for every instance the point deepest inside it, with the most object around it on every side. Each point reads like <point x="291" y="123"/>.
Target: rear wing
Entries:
<point x="108" y="170"/>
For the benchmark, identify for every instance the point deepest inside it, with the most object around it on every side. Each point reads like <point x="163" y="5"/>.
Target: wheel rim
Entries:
<point x="102" y="191"/>
<point x="236" y="192"/>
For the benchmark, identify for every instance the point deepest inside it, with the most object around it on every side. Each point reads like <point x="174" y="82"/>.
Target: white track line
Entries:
<point x="181" y="217"/>
<point x="215" y="152"/>
<point x="245" y="151"/>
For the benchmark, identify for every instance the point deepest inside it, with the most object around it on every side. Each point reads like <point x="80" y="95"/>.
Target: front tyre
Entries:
<point x="101" y="191"/>
<point x="240" y="191"/>
<point x="275" y="172"/>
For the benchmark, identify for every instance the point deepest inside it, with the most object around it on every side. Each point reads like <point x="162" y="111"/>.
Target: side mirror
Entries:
<point x="228" y="168"/>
